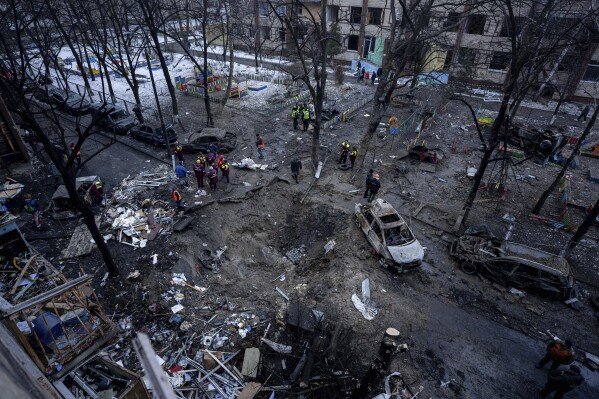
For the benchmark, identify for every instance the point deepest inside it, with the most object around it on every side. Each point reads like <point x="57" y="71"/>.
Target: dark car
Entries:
<point x="153" y="134"/>
<point x="200" y="140"/>
<point x="515" y="265"/>
<point x="112" y="118"/>
<point x="69" y="101"/>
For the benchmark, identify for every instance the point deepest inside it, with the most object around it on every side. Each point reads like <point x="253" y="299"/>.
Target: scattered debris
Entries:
<point x="365" y="305"/>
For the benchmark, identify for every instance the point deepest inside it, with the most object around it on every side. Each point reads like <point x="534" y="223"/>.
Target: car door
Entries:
<point x="375" y="236"/>
<point x="499" y="270"/>
<point x="525" y="276"/>
<point x="365" y="219"/>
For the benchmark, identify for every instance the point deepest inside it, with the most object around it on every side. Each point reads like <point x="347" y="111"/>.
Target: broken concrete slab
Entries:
<point x="250" y="390"/>
<point x="251" y="361"/>
<point x="81" y="243"/>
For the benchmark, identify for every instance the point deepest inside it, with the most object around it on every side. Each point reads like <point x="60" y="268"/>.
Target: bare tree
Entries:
<point x="582" y="230"/>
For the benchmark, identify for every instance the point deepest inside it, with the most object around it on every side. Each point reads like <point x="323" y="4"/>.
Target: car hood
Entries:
<point x="129" y="121"/>
<point x="407" y="253"/>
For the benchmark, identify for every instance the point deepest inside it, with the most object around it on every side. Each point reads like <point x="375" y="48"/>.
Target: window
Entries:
<point x="452" y="22"/>
<point x="263" y="9"/>
<point x="377" y="230"/>
<point x="352" y="43"/>
<point x="369" y="217"/>
<point x="332" y="13"/>
<point x="500" y="61"/>
<point x="507" y="28"/>
<point x="265" y="32"/>
<point x="298" y="8"/>
<point x="476" y="24"/>
<point x="448" y="58"/>
<point x="282" y="10"/>
<point x="375" y="16"/>
<point x="282" y="34"/>
<point x="592" y="72"/>
<point x="355" y="15"/>
<point x="467" y="56"/>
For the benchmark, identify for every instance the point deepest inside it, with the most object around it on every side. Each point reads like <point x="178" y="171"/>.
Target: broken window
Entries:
<point x="508" y="26"/>
<point x="332" y="13"/>
<point x="282" y="10"/>
<point x="476" y="24"/>
<point x="500" y="61"/>
<point x="391" y="218"/>
<point x="398" y="235"/>
<point x="467" y="56"/>
<point x="448" y="58"/>
<point x="592" y="72"/>
<point x="263" y="9"/>
<point x="369" y="217"/>
<point x="375" y="15"/>
<point x="352" y="42"/>
<point x="452" y="22"/>
<point x="265" y="32"/>
<point x="282" y="34"/>
<point x="377" y="230"/>
<point x="355" y="15"/>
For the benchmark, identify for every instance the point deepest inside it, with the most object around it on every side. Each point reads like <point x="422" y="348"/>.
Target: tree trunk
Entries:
<point x="167" y="76"/>
<point x="209" y="119"/>
<point x="582" y="230"/>
<point x="229" y="77"/>
<point x="257" y="33"/>
<point x="539" y="205"/>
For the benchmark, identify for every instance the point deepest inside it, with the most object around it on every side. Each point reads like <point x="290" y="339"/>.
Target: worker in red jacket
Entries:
<point x="558" y="352"/>
<point x="179" y="153"/>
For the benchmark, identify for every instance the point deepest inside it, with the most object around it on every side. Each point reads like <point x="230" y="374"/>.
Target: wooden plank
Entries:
<point x="251" y="360"/>
<point x="250" y="390"/>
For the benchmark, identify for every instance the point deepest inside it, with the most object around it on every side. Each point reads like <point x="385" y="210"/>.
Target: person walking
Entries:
<point x="368" y="178"/>
<point x="199" y="168"/>
<point x="373" y="77"/>
<point x="562" y="381"/>
<point x="260" y="145"/>
<point x="176" y="197"/>
<point x="295" y="114"/>
<point x="296" y="166"/>
<point x="181" y="174"/>
<point x="584" y="113"/>
<point x="31" y="206"/>
<point x="353" y="154"/>
<point x="558" y="352"/>
<point x="225" y="169"/>
<point x="179" y="153"/>
<point x="373" y="187"/>
<point x="306" y="118"/>
<point x="343" y="152"/>
<point x="212" y="178"/>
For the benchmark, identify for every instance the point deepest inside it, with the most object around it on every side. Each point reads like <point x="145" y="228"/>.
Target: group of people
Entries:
<point x="300" y="112"/>
<point x="365" y="76"/>
<point x="560" y="379"/>
<point x="344" y="151"/>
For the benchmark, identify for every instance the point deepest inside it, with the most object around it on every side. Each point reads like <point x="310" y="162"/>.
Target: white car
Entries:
<point x="390" y="235"/>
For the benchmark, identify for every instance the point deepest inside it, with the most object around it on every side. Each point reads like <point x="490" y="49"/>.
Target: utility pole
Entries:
<point x="168" y="146"/>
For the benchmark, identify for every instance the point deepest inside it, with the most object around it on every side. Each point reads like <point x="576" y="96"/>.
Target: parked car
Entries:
<point x="390" y="235"/>
<point x="114" y="119"/>
<point x="200" y="140"/>
<point x="69" y="101"/>
<point x="515" y="265"/>
<point x="153" y="133"/>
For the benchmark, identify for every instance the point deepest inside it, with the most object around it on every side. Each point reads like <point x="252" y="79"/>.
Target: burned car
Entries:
<point x="515" y="265"/>
<point x="536" y="141"/>
<point x="390" y="235"/>
<point x="201" y="140"/>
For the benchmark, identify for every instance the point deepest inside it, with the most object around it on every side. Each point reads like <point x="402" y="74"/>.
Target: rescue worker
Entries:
<point x="353" y="154"/>
<point x="344" y="151"/>
<point x="295" y="114"/>
<point x="96" y="191"/>
<point x="77" y="155"/>
<point x="201" y="159"/>
<point x="176" y="197"/>
<point x="31" y="206"/>
<point x="179" y="153"/>
<point x="221" y="159"/>
<point x="260" y="145"/>
<point x="306" y="118"/>
<point x="562" y="381"/>
<point x="212" y="177"/>
<point x="210" y="159"/>
<point x="225" y="169"/>
<point x="296" y="166"/>
<point x="213" y="148"/>
<point x="559" y="352"/>
<point x="199" y="168"/>
<point x="181" y="174"/>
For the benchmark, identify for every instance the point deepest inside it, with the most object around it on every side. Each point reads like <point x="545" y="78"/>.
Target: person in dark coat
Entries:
<point x="562" y="381"/>
<point x="373" y="77"/>
<point x="584" y="113"/>
<point x="559" y="352"/>
<point x="200" y="170"/>
<point x="362" y="73"/>
<point x="179" y="154"/>
<point x="375" y="185"/>
<point x="296" y="166"/>
<point x="368" y="178"/>
<point x="353" y="154"/>
<point x="212" y="177"/>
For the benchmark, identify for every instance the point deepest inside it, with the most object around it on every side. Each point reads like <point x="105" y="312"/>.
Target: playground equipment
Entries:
<point x="238" y="90"/>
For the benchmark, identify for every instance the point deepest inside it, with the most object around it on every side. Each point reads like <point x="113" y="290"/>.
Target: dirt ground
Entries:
<point x="466" y="337"/>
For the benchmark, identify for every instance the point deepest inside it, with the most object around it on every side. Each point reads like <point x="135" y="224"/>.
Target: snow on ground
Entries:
<point x="213" y="49"/>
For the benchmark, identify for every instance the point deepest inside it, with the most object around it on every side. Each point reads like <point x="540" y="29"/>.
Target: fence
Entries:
<point x="345" y="116"/>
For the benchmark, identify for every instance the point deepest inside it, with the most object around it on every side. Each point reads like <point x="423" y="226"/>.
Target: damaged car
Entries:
<point x="389" y="235"/>
<point x="200" y="141"/>
<point x="515" y="265"/>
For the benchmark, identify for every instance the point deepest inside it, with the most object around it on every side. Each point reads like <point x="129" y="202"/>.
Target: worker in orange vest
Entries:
<point x="176" y="197"/>
<point x="77" y="155"/>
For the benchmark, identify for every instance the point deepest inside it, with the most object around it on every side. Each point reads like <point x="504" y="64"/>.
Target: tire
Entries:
<point x="468" y="267"/>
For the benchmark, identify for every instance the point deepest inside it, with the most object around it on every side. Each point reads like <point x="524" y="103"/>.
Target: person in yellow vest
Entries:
<point x="353" y="154"/>
<point x="224" y="168"/>
<point x="306" y="118"/>
<point x="344" y="151"/>
<point x="295" y="114"/>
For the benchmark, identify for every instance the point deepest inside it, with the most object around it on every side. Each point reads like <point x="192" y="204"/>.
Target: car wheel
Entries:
<point x="468" y="267"/>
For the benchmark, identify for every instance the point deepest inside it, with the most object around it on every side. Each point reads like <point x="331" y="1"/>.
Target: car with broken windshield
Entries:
<point x="200" y="141"/>
<point x="389" y="235"/>
<point x="514" y="265"/>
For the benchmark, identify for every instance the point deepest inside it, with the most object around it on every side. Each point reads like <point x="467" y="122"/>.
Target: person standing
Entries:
<point x="353" y="154"/>
<point x="181" y="174"/>
<point x="199" y="168"/>
<point x="260" y="145"/>
<point x="96" y="191"/>
<point x="224" y="168"/>
<point x="78" y="153"/>
<point x="213" y="147"/>
<point x="176" y="197"/>
<point x="296" y="166"/>
<point x="295" y="114"/>
<point x="373" y="77"/>
<point x="373" y="187"/>
<point x="362" y="73"/>
<point x="562" y="381"/>
<point x="558" y="352"/>
<point x="212" y="178"/>
<point x="368" y="179"/>
<point x="201" y="159"/>
<point x="584" y="113"/>
<point x="343" y="152"/>
<point x="31" y="206"/>
<point x="179" y="153"/>
<point x="210" y="159"/>
<point x="306" y="118"/>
